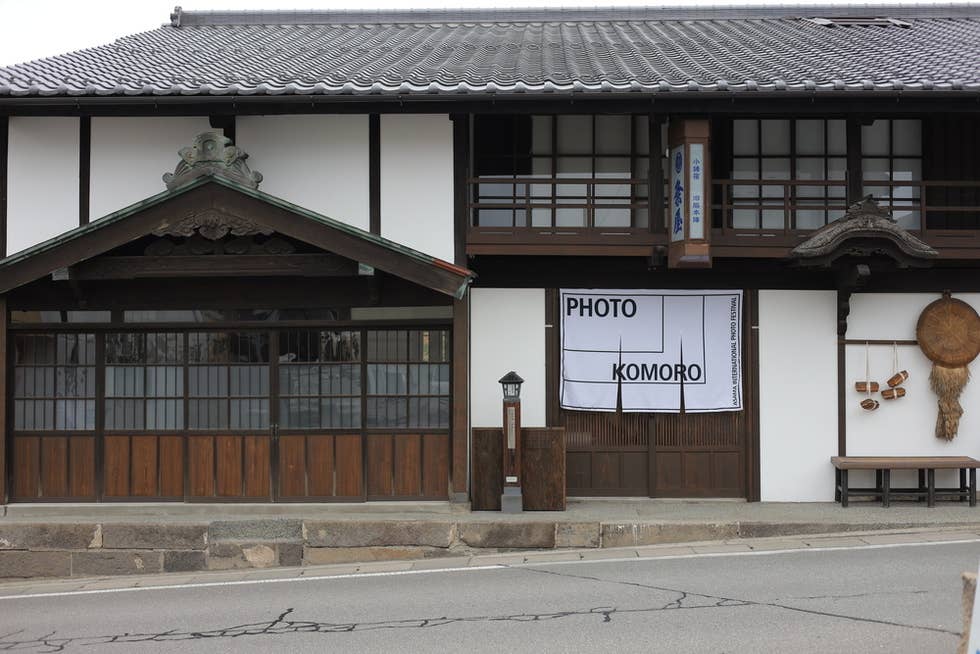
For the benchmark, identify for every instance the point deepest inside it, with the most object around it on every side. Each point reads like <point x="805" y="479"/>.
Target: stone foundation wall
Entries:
<point x="117" y="548"/>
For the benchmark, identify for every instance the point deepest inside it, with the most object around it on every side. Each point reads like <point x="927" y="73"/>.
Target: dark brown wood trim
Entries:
<point x="374" y="173"/>
<point x="265" y="265"/>
<point x="461" y="188"/>
<point x="5" y="372"/>
<point x="226" y="123"/>
<point x="655" y="188"/>
<point x="552" y="325"/>
<point x="84" y="167"/>
<point x="855" y="175"/>
<point x="4" y="139"/>
<point x="758" y="103"/>
<point x="841" y="399"/>
<point x="753" y="454"/>
<point x="459" y="439"/>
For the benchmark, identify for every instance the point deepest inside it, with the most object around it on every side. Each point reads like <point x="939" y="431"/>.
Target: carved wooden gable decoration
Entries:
<point x="866" y="230"/>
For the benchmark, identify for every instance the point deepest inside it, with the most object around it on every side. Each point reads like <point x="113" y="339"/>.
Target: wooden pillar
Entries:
<point x="459" y="478"/>
<point x="855" y="175"/>
<point x="3" y="399"/>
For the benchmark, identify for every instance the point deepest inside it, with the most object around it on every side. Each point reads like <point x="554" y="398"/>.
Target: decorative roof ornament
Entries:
<point x="212" y="224"/>
<point x="865" y="230"/>
<point x="212" y="154"/>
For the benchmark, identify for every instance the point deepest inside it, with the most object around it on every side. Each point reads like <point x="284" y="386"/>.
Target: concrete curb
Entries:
<point x="112" y="548"/>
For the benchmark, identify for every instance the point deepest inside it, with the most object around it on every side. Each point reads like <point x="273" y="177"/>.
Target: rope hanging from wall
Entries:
<point x="949" y="335"/>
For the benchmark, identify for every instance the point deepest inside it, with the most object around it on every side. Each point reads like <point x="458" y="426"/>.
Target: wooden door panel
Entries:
<point x="380" y="459"/>
<point x="435" y="466"/>
<point x="670" y="475"/>
<point x="292" y="466"/>
<point x="579" y="468"/>
<point x="408" y="465"/>
<point x="171" y="462"/>
<point x="320" y="465"/>
<point x="116" y="466"/>
<point x="26" y="467"/>
<point x="697" y="471"/>
<point x="54" y="466"/>
<point x="200" y="466"/>
<point x="605" y="470"/>
<point x="143" y="466"/>
<point x="81" y="463"/>
<point x="228" y="466"/>
<point x="727" y="471"/>
<point x="348" y="456"/>
<point x="258" y="467"/>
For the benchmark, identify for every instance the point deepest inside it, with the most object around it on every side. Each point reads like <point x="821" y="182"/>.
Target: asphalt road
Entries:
<point x="888" y="599"/>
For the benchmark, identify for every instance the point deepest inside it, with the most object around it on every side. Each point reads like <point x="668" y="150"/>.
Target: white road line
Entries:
<point x="499" y="566"/>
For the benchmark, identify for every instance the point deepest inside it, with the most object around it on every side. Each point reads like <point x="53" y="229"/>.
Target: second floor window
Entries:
<point x="805" y="161"/>
<point x="561" y="171"/>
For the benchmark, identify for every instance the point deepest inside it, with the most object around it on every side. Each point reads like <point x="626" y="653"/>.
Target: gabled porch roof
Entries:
<point x="218" y="196"/>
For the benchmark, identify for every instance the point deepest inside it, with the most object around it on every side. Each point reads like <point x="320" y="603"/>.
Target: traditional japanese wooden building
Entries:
<point x="286" y="256"/>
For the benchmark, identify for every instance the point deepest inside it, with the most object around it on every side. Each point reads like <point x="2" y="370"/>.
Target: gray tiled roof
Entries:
<point x="467" y="52"/>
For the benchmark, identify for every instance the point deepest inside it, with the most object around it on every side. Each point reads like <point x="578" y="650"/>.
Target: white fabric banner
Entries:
<point x="639" y="347"/>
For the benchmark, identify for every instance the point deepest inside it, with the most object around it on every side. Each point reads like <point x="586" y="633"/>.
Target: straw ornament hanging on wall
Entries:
<point x="949" y="335"/>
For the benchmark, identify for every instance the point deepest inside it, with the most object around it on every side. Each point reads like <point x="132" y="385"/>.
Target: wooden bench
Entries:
<point x="926" y="465"/>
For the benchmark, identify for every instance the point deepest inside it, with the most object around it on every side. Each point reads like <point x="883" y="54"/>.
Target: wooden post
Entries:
<point x="459" y="484"/>
<point x="3" y="399"/>
<point x="689" y="226"/>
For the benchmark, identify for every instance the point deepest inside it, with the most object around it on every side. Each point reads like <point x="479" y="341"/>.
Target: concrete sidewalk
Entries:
<point x="51" y="540"/>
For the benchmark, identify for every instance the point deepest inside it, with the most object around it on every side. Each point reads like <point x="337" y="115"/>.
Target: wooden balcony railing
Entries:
<point x="767" y="218"/>
<point x="532" y="214"/>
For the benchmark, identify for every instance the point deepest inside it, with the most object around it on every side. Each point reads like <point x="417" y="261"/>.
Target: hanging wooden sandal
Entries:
<point x="868" y="386"/>
<point x="894" y="390"/>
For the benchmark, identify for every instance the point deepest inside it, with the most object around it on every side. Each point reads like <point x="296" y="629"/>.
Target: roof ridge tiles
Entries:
<point x="182" y="18"/>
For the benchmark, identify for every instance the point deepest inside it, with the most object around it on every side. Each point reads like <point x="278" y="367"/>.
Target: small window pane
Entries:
<point x="907" y="170"/>
<point x="612" y="135"/>
<point x="809" y="137"/>
<point x="570" y="218"/>
<point x="874" y="138"/>
<point x="541" y="134"/>
<point x="745" y="137"/>
<point x="775" y="137"/>
<point x="837" y="137"/>
<point x="907" y="136"/>
<point x="875" y="170"/>
<point x="641" y="135"/>
<point x="574" y="134"/>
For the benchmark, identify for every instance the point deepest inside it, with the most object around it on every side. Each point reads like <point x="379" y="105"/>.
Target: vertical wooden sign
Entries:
<point x="690" y="190"/>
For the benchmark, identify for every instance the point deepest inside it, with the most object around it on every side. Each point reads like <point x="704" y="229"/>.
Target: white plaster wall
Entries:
<point x="798" y="394"/>
<point x="130" y="156"/>
<point x="507" y="333"/>
<point x="906" y="426"/>
<point x="42" y="179"/>
<point x="319" y="162"/>
<point x="417" y="182"/>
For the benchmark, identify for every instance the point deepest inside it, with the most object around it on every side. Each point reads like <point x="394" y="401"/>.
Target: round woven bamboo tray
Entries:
<point x="949" y="332"/>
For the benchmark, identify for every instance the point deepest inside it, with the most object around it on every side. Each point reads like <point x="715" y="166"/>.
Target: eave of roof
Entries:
<point x="479" y="53"/>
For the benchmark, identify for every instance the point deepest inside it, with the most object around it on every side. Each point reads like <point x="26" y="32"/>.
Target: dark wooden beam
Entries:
<point x="459" y="477"/>
<point x="753" y="454"/>
<point x="4" y="374"/>
<point x="855" y="174"/>
<point x="4" y="139"/>
<point x="461" y="190"/>
<point x="84" y="168"/>
<point x="226" y="293"/>
<point x="655" y="177"/>
<point x="246" y="265"/>
<point x="755" y="104"/>
<point x="374" y="172"/>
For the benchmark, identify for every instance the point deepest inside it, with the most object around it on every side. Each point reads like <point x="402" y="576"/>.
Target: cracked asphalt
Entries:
<point x="898" y="598"/>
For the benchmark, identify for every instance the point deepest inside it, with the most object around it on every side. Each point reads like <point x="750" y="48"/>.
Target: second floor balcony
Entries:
<point x="766" y="195"/>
